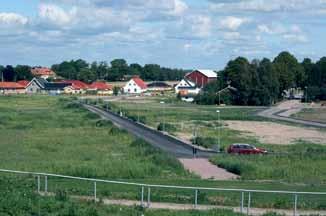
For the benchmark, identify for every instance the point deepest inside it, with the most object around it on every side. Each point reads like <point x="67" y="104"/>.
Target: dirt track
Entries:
<point x="275" y="133"/>
<point x="206" y="170"/>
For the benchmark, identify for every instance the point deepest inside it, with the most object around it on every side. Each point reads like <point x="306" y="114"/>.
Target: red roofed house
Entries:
<point x="102" y="88"/>
<point x="75" y="87"/>
<point x="23" y="83"/>
<point x="42" y="72"/>
<point x="202" y="77"/>
<point x="11" y="88"/>
<point x="135" y="86"/>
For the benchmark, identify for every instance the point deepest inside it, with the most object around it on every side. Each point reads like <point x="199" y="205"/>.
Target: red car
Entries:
<point x="245" y="149"/>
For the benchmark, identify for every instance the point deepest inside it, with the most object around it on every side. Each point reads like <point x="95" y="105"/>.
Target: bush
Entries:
<point x="104" y="123"/>
<point x="206" y="142"/>
<point x="166" y="127"/>
<point x="61" y="195"/>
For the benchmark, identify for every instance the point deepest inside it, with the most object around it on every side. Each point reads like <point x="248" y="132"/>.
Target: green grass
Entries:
<point x="18" y="198"/>
<point x="303" y="163"/>
<point x="313" y="114"/>
<point x="51" y="134"/>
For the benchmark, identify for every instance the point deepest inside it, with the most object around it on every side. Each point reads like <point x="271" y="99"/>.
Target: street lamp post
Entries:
<point x="219" y="129"/>
<point x="163" y="103"/>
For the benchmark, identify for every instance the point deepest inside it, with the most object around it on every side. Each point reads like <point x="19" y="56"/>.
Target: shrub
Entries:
<point x="61" y="195"/>
<point x="206" y="142"/>
<point x="104" y="123"/>
<point x="166" y="127"/>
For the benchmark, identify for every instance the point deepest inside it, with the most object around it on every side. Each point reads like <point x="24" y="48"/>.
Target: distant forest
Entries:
<point x="116" y="71"/>
<point x="259" y="82"/>
<point x="263" y="82"/>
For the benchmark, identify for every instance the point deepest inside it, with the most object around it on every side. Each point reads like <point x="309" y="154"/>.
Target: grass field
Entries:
<point x="315" y="114"/>
<point x="51" y="134"/>
<point x="48" y="134"/>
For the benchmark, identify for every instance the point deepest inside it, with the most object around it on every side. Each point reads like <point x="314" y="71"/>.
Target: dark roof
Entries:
<point x="41" y="82"/>
<point x="158" y="84"/>
<point x="187" y="87"/>
<point x="55" y="86"/>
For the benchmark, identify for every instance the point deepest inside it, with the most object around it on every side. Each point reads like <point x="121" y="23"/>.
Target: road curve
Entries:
<point x="155" y="138"/>
<point x="274" y="113"/>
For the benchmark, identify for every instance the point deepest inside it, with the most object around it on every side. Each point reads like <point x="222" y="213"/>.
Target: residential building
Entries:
<point x="202" y="77"/>
<point x="23" y="83"/>
<point x="101" y="88"/>
<point x="186" y="87"/>
<point x="40" y="85"/>
<point x="135" y="86"/>
<point x="75" y="87"/>
<point x="43" y="72"/>
<point x="11" y="88"/>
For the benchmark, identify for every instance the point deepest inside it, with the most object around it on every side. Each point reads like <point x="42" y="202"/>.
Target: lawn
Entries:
<point x="312" y="114"/>
<point x="48" y="134"/>
<point x="55" y="135"/>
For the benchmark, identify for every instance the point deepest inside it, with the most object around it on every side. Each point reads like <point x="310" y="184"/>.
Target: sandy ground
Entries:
<point x="206" y="170"/>
<point x="274" y="133"/>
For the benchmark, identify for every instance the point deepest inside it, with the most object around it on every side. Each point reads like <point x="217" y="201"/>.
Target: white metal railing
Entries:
<point x="149" y="186"/>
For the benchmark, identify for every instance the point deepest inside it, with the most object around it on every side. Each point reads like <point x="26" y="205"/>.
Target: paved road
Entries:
<point x="274" y="113"/>
<point x="155" y="138"/>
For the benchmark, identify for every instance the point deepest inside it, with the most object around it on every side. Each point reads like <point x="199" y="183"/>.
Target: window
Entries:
<point x="135" y="90"/>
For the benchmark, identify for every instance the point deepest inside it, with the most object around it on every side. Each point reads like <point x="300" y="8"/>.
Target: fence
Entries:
<point x="243" y="206"/>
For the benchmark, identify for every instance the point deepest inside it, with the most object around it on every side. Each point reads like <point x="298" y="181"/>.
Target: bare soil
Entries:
<point x="275" y="133"/>
<point x="206" y="170"/>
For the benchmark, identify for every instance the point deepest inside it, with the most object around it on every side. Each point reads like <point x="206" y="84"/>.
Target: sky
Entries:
<point x="185" y="34"/>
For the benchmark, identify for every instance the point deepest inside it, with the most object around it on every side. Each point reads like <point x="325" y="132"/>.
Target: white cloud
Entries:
<point x="55" y="14"/>
<point x="295" y="38"/>
<point x="232" y="23"/>
<point x="12" y="19"/>
<point x="201" y="26"/>
<point x="266" y="6"/>
<point x="231" y="35"/>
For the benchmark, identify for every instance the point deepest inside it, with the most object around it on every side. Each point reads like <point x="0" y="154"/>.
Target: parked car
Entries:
<point x="245" y="149"/>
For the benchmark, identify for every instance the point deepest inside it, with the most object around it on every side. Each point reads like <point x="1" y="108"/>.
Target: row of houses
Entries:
<point x="42" y="86"/>
<point x="187" y="88"/>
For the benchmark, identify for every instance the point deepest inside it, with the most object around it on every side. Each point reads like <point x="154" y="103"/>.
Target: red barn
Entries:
<point x="202" y="77"/>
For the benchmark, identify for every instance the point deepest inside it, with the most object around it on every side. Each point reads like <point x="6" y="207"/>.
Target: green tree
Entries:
<point x="87" y="75"/>
<point x="1" y="73"/>
<point x="23" y="72"/>
<point x="290" y="73"/>
<point x="239" y="72"/>
<point x="9" y="74"/>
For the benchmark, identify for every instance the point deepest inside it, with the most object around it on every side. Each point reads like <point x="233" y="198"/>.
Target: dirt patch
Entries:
<point x="274" y="133"/>
<point x="206" y="170"/>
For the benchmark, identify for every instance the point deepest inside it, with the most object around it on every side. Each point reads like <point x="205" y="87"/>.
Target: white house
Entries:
<point x="135" y="86"/>
<point x="186" y="87"/>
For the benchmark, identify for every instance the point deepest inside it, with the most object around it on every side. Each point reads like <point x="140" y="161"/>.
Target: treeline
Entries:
<point x="116" y="71"/>
<point x="264" y="82"/>
<point x="13" y="74"/>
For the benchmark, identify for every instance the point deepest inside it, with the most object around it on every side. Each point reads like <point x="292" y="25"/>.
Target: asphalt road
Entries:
<point x="274" y="112"/>
<point x="155" y="138"/>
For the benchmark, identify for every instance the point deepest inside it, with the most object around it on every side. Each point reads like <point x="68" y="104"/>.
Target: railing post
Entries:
<point x="242" y="202"/>
<point x="295" y="205"/>
<point x="196" y="198"/>
<point x="94" y="191"/>
<point x="249" y="203"/>
<point x="38" y="184"/>
<point x="142" y="196"/>
<point x="148" y="197"/>
<point x="45" y="184"/>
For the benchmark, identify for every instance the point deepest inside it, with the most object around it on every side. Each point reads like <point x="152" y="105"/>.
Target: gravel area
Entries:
<point x="206" y="170"/>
